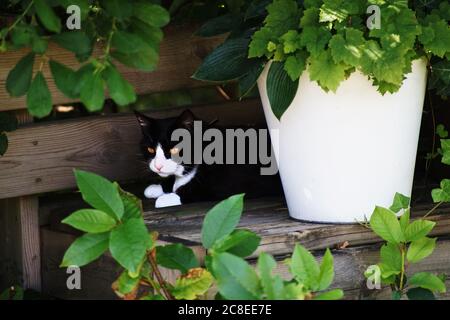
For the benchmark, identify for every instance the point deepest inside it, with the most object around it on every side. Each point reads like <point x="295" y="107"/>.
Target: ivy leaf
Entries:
<point x="400" y="202"/>
<point x="47" y="16"/>
<point x="86" y="249"/>
<point x="385" y="224"/>
<point x="315" y="39"/>
<point x="39" y="99"/>
<point x="236" y="280"/>
<point x="420" y="249"/>
<point x="241" y="243"/>
<point x="128" y="244"/>
<point x="295" y="65"/>
<point x="436" y="37"/>
<point x="348" y="50"/>
<point x="99" y="193"/>
<point x="326" y="72"/>
<point x="442" y="193"/>
<point x="192" y="285"/>
<point x="90" y="220"/>
<point x="441" y="131"/>
<point x="272" y="284"/>
<point x="428" y="281"/>
<point x="281" y="90"/>
<point x="445" y="147"/>
<point x="418" y="229"/>
<point x="221" y="220"/>
<point x="176" y="256"/>
<point x="120" y="90"/>
<point x="19" y="78"/>
<point x="92" y="93"/>
<point x="305" y="268"/>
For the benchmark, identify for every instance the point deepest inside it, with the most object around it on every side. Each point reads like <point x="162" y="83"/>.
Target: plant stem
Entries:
<point x="20" y="17"/>
<point x="433" y="209"/>
<point x="158" y="275"/>
<point x="402" y="273"/>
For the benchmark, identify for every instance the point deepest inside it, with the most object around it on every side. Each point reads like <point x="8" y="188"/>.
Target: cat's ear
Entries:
<point x="144" y="121"/>
<point x="186" y="119"/>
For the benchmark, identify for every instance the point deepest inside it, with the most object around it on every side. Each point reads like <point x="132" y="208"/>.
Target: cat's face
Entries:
<point x="156" y="144"/>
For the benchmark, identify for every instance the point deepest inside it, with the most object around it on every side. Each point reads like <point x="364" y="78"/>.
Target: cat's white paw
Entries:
<point x="153" y="191"/>
<point x="168" y="200"/>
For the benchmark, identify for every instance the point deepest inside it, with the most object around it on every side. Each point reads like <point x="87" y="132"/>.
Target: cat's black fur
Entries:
<point x="211" y="182"/>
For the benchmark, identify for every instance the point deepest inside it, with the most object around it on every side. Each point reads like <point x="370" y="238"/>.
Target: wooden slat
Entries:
<point x="180" y="55"/>
<point x="41" y="157"/>
<point x="269" y="218"/>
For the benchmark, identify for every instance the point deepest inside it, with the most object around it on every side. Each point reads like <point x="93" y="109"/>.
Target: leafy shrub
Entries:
<point x="115" y="223"/>
<point x="330" y="38"/>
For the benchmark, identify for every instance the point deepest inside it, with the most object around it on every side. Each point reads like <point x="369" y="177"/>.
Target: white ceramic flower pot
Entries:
<point x="341" y="154"/>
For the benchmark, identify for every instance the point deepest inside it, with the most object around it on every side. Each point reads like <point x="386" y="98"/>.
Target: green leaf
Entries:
<point x="99" y="193"/>
<point x="39" y="98"/>
<point x="335" y="294"/>
<point x="126" y="284"/>
<point x="436" y="37"/>
<point x="420" y="294"/>
<point x="120" y="9"/>
<point x="305" y="268"/>
<point x="90" y="220"/>
<point x="241" y="243"/>
<point x="65" y="79"/>
<point x="92" y="94"/>
<point x="385" y="224"/>
<point x="47" y="16"/>
<point x="441" y="131"/>
<point x="222" y="219"/>
<point x="219" y="25"/>
<point x="120" y="90"/>
<point x="404" y="221"/>
<point x="428" y="281"/>
<point x="248" y="81"/>
<point x="443" y="193"/>
<point x="194" y="284"/>
<point x="396" y="295"/>
<point x="295" y="65"/>
<point x="400" y="202"/>
<point x="391" y="258"/>
<point x="418" y="229"/>
<point x="420" y="249"/>
<point x="151" y="14"/>
<point x="132" y="206"/>
<point x="8" y="122"/>
<point x="127" y="42"/>
<point x="75" y="41"/>
<point x="19" y="78"/>
<point x="236" y="280"/>
<point x="145" y="60"/>
<point x="281" y="90"/>
<point x="227" y="62"/>
<point x="445" y="148"/>
<point x="176" y="256"/>
<point x="326" y="273"/>
<point x="3" y="144"/>
<point x="272" y="285"/>
<point x="326" y="72"/>
<point x="151" y="35"/>
<point x="86" y="249"/>
<point x="128" y="245"/>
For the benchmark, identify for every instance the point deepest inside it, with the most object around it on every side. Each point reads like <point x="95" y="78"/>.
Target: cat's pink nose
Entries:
<point x="158" y="166"/>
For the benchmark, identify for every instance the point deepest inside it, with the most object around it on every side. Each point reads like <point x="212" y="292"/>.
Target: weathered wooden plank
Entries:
<point x="20" y="243"/>
<point x="269" y="218"/>
<point x="349" y="264"/>
<point x="180" y="54"/>
<point x="40" y="158"/>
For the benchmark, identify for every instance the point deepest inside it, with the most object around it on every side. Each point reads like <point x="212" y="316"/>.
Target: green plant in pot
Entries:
<point x="342" y="85"/>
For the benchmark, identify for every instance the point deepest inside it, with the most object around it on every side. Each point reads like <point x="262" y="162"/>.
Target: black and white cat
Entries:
<point x="182" y="183"/>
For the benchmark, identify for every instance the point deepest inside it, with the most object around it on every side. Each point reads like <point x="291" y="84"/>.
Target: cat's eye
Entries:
<point x="174" y="151"/>
<point x="151" y="150"/>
